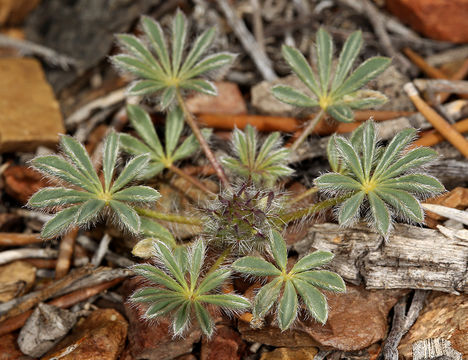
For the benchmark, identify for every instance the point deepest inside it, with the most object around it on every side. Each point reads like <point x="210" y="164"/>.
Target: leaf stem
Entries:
<point x="168" y="217"/>
<point x="307" y="131"/>
<point x="204" y="145"/>
<point x="192" y="180"/>
<point x="315" y="208"/>
<point x="220" y="260"/>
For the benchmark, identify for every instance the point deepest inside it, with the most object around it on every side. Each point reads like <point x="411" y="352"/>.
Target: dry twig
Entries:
<point x="18" y="254"/>
<point x="67" y="245"/>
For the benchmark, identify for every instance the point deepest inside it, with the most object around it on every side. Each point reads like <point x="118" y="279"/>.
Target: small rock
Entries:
<point x="357" y="319"/>
<point x="13" y="12"/>
<point x="228" y="101"/>
<point x="301" y="353"/>
<point x="226" y="344"/>
<point x="425" y="16"/>
<point x="152" y="340"/>
<point x="30" y="114"/>
<point x="16" y="279"/>
<point x="21" y="182"/>
<point x="444" y="316"/>
<point x="46" y="326"/>
<point x="100" y="336"/>
<point x="9" y="349"/>
<point x="264" y="101"/>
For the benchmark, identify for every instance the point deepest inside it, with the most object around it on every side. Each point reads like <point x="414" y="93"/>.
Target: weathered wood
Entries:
<point x="413" y="257"/>
<point x="435" y="349"/>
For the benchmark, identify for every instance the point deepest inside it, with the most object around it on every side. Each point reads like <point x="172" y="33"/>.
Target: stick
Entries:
<point x="102" y="250"/>
<point x="260" y="59"/>
<point x="191" y="180"/>
<point x="423" y="65"/>
<point x="444" y="128"/>
<point x="67" y="244"/>
<point x="110" y="256"/>
<point x="46" y="292"/>
<point x="16" y="322"/>
<point x="18" y="254"/>
<point x="433" y="137"/>
<point x="442" y="85"/>
<point x="402" y="322"/>
<point x="50" y="56"/>
<point x="14" y="239"/>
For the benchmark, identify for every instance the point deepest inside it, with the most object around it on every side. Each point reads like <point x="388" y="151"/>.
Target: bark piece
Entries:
<point x="16" y="279"/>
<point x="30" y="113"/>
<point x="100" y="336"/>
<point x="444" y="316"/>
<point x="424" y="16"/>
<point x="434" y="349"/>
<point x="13" y="12"/>
<point x="46" y="326"/>
<point x="228" y="101"/>
<point x="21" y="182"/>
<point x="412" y="258"/>
<point x="302" y="353"/>
<point x="357" y="319"/>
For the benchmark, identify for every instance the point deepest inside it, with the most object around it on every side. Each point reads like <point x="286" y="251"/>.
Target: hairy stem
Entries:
<point x="192" y="180"/>
<point x="204" y="145"/>
<point x="302" y="196"/>
<point x="313" y="209"/>
<point x="168" y="217"/>
<point x="307" y="131"/>
<point x="220" y="260"/>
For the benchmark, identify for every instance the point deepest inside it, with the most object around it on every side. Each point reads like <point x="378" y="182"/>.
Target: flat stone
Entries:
<point x="100" y="336"/>
<point x="444" y="316"/>
<point x="16" y="279"/>
<point x="226" y="344"/>
<point x="301" y="353"/>
<point x="425" y="16"/>
<point x="228" y="101"/>
<point x="356" y="320"/>
<point x="30" y="114"/>
<point x="152" y="340"/>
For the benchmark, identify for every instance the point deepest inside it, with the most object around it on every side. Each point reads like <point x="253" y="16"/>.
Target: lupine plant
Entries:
<point x="242" y="225"/>
<point x="382" y="181"/>
<point x="337" y="93"/>
<point x="83" y="196"/>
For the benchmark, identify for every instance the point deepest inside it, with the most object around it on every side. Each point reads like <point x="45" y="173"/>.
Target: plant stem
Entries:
<point x="302" y="196"/>
<point x="315" y="208"/>
<point x="192" y="180"/>
<point x="204" y="145"/>
<point x="220" y="260"/>
<point x="307" y="131"/>
<point x="168" y="217"/>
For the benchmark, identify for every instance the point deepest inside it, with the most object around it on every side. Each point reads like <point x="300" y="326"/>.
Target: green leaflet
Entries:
<point x="255" y="266"/>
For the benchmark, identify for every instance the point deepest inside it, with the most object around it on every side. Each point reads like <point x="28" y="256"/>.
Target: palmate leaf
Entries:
<point x="381" y="182"/>
<point x="285" y="287"/>
<point x="165" y="72"/>
<point x="337" y="95"/>
<point x="160" y="157"/>
<point x="261" y="165"/>
<point x="181" y="274"/>
<point x="87" y="198"/>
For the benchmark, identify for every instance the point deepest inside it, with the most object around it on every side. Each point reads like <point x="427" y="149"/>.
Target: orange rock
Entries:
<point x="8" y="348"/>
<point x="30" y="113"/>
<point x="229" y="101"/>
<point x="22" y="182"/>
<point x="226" y="344"/>
<point x="444" y="316"/>
<point x="436" y="19"/>
<point x="356" y="320"/>
<point x="100" y="336"/>
<point x="301" y="353"/>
